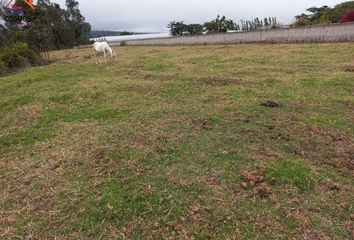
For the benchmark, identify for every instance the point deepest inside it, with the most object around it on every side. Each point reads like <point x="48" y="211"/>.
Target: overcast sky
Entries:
<point x="154" y="15"/>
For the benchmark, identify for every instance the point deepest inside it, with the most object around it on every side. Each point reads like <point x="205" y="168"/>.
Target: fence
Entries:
<point x="318" y="33"/>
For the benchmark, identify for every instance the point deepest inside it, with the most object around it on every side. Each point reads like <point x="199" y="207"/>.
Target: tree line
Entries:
<point x="220" y="25"/>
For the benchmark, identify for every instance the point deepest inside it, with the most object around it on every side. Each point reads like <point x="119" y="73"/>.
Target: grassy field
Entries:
<point x="204" y="142"/>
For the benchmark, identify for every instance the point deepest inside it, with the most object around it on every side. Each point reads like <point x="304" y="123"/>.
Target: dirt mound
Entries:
<point x="270" y="104"/>
<point x="253" y="178"/>
<point x="263" y="190"/>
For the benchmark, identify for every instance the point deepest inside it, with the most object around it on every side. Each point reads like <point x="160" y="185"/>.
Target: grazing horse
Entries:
<point x="103" y="47"/>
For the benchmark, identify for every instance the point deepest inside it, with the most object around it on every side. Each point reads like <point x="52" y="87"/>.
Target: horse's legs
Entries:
<point x="95" y="54"/>
<point x="114" y="56"/>
<point x="105" y="56"/>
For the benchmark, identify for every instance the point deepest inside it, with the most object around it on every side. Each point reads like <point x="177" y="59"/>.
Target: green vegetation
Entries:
<point x="325" y="14"/>
<point x="292" y="171"/>
<point x="159" y="144"/>
<point x="17" y="55"/>
<point x="315" y="15"/>
<point x="220" y="25"/>
<point x="29" y="36"/>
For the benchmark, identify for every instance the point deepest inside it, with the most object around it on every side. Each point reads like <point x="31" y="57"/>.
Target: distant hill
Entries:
<point x="103" y="33"/>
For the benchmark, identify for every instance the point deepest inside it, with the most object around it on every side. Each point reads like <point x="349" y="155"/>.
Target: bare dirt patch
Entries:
<point x="263" y="190"/>
<point x="204" y="123"/>
<point x="20" y="119"/>
<point x="349" y="68"/>
<point x="331" y="147"/>
<point x="219" y="82"/>
<point x="270" y="104"/>
<point x="341" y="153"/>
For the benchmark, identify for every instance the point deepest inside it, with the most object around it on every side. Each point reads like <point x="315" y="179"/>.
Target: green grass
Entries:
<point x="294" y="172"/>
<point x="154" y="145"/>
<point x="51" y="115"/>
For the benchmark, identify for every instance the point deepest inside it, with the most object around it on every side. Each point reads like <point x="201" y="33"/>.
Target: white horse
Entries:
<point x="103" y="47"/>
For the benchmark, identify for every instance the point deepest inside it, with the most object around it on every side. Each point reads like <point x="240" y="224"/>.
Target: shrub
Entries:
<point x="18" y="55"/>
<point x="123" y="43"/>
<point x="302" y="22"/>
<point x="3" y="69"/>
<point x="347" y="18"/>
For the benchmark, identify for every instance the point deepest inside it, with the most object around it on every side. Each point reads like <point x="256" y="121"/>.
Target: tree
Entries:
<point x="266" y="24"/>
<point x="77" y="22"/>
<point x="194" y="29"/>
<point x="35" y="32"/>
<point x="317" y="13"/>
<point x="58" y="28"/>
<point x="66" y="27"/>
<point x="256" y="23"/>
<point x="49" y="26"/>
<point x="125" y="33"/>
<point x="29" y="27"/>
<point x="219" y="25"/>
<point x="177" y="28"/>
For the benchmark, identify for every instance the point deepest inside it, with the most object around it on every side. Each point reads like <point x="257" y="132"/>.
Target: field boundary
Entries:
<point x="339" y="32"/>
<point x="318" y="33"/>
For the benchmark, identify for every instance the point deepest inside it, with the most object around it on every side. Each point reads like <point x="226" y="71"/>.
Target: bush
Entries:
<point x="123" y="43"/>
<point x="347" y="18"/>
<point x="3" y="69"/>
<point x="17" y="55"/>
<point x="302" y="22"/>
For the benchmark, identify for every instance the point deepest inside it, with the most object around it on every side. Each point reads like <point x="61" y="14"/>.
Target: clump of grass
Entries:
<point x="293" y="172"/>
<point x="159" y="67"/>
<point x="26" y="137"/>
<point x="18" y="101"/>
<point x="61" y="99"/>
<point x="81" y="115"/>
